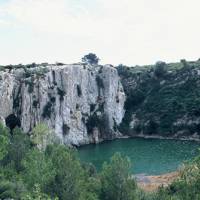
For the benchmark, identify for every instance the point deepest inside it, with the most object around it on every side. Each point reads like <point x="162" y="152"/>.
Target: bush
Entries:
<point x="40" y="72"/>
<point x="33" y="65"/>
<point x="151" y="127"/>
<point x="123" y="70"/>
<point x="185" y="64"/>
<point x="28" y="73"/>
<point x="59" y="64"/>
<point x="41" y="136"/>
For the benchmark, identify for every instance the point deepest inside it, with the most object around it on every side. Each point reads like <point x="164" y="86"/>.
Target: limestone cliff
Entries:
<point x="82" y="103"/>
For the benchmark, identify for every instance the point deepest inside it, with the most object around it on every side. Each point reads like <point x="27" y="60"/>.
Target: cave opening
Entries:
<point x="12" y="121"/>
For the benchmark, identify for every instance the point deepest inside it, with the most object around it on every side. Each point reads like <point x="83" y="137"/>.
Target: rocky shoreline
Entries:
<point x="183" y="138"/>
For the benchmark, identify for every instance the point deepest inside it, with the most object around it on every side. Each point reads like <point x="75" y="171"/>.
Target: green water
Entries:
<point x="148" y="156"/>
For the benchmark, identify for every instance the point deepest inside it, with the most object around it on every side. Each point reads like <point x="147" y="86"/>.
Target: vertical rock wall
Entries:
<point x="82" y="103"/>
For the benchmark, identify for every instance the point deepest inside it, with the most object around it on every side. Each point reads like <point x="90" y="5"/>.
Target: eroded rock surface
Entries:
<point x="82" y="103"/>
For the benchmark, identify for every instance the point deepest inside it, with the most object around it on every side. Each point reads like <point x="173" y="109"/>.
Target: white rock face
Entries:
<point x="68" y="98"/>
<point x="6" y="94"/>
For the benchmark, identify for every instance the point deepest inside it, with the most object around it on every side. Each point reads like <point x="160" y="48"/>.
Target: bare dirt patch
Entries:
<point x="152" y="183"/>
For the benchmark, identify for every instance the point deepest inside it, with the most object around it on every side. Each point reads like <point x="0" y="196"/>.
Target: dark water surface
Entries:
<point x="148" y="156"/>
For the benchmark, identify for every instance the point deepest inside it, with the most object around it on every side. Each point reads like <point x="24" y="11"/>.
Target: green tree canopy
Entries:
<point x="41" y="136"/>
<point x="117" y="182"/>
<point x="4" y="141"/>
<point x="38" y="170"/>
<point x="90" y="58"/>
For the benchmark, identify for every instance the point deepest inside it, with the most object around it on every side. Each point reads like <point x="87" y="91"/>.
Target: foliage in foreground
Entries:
<point x="53" y="172"/>
<point x="33" y="169"/>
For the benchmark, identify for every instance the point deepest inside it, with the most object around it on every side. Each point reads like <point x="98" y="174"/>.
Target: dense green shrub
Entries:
<point x="41" y="71"/>
<point x="33" y="65"/>
<point x="28" y="73"/>
<point x="185" y="64"/>
<point x="151" y="127"/>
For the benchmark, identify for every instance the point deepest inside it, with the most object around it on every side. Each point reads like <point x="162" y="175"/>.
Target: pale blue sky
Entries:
<point x="118" y="31"/>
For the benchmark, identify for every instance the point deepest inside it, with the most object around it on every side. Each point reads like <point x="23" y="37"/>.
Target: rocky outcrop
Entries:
<point x="82" y="103"/>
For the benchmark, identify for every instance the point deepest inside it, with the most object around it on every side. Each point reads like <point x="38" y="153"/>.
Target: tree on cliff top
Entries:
<point x="160" y="69"/>
<point x="90" y="58"/>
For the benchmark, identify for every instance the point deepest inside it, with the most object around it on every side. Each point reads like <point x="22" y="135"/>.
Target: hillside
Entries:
<point x="162" y="99"/>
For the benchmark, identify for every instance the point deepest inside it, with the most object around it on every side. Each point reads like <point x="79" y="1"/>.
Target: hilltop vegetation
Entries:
<point x="162" y="99"/>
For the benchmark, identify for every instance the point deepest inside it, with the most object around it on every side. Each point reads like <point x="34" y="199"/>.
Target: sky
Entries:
<point x="131" y="32"/>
